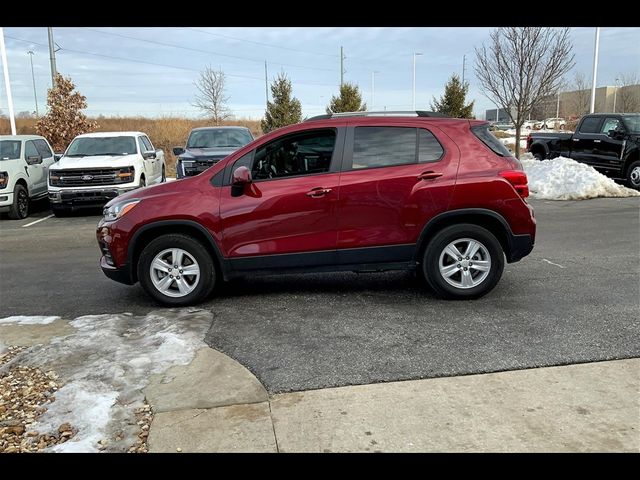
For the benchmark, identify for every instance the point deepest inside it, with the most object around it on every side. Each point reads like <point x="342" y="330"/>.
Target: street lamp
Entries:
<point x="414" y="78"/>
<point x="373" y="88"/>
<point x="33" y="77"/>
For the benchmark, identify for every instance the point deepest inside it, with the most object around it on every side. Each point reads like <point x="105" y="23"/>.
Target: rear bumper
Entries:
<point x="121" y="274"/>
<point x="519" y="247"/>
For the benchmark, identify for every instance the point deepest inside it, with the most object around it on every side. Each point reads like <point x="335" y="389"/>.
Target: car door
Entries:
<point x="147" y="162"/>
<point x="608" y="150"/>
<point x="287" y="216"/>
<point x="582" y="141"/>
<point x="35" y="170"/>
<point x="156" y="163"/>
<point x="394" y="178"/>
<point x="47" y="157"/>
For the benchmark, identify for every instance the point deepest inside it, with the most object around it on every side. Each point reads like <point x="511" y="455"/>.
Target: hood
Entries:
<point x="101" y="161"/>
<point x="204" y="153"/>
<point x="158" y="190"/>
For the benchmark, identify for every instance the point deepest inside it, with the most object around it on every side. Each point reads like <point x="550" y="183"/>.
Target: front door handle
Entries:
<point x="429" y="175"/>
<point x="597" y="141"/>
<point x="318" y="192"/>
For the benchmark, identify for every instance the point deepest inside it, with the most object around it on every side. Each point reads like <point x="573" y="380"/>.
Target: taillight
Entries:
<point x="519" y="181"/>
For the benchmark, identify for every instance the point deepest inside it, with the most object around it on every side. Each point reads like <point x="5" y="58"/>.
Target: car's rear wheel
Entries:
<point x="20" y="207"/>
<point x="463" y="261"/>
<point x="176" y="270"/>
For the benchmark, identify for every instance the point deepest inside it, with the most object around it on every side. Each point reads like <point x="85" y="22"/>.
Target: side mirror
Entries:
<point x="34" y="159"/>
<point x="616" y="134"/>
<point x="241" y="177"/>
<point x="148" y="155"/>
<point x="178" y="151"/>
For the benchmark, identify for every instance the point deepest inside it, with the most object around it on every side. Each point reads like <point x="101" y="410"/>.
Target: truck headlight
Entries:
<point x="126" y="174"/>
<point x="118" y="209"/>
<point x="4" y="179"/>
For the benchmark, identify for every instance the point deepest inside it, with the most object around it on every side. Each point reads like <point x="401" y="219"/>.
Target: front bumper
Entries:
<point x="6" y="200"/>
<point x="84" y="198"/>
<point x="120" y="274"/>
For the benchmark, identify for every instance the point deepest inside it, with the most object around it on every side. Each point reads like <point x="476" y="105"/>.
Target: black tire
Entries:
<point x="193" y="247"/>
<point x="431" y="259"/>
<point x="538" y="156"/>
<point x="61" y="211"/>
<point x="633" y="177"/>
<point x="163" y="178"/>
<point x="20" y="207"/>
<point x="143" y="182"/>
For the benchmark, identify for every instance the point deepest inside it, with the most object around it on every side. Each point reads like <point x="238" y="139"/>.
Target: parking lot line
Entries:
<point x="37" y="221"/>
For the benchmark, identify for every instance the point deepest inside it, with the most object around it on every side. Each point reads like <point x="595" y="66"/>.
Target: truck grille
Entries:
<point x="198" y="166"/>
<point x="87" y="178"/>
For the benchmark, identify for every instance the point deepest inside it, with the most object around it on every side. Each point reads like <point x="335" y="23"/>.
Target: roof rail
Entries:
<point x="385" y="113"/>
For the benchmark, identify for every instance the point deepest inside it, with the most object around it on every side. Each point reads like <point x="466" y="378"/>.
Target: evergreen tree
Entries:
<point x="285" y="109"/>
<point x="349" y="100"/>
<point x="452" y="103"/>
<point x="64" y="120"/>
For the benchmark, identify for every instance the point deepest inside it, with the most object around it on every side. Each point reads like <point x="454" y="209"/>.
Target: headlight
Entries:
<point x="4" y="179"/>
<point x="126" y="174"/>
<point x="54" y="177"/>
<point x="118" y="209"/>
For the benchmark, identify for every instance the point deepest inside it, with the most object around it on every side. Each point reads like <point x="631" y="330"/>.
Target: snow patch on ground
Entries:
<point x="29" y="320"/>
<point x="105" y="365"/>
<point x="562" y="178"/>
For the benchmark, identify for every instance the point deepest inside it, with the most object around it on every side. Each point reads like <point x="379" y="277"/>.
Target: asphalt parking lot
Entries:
<point x="575" y="299"/>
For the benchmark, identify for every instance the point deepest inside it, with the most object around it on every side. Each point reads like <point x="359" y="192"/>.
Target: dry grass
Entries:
<point x="500" y="134"/>
<point x="165" y="133"/>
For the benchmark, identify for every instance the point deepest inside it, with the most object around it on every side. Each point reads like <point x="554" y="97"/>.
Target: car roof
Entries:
<point x="21" y="137"/>
<point x="224" y="127"/>
<point x="109" y="134"/>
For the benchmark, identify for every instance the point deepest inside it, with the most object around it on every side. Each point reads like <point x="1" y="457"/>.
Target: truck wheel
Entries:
<point x="20" y="207"/>
<point x="143" y="182"/>
<point x="633" y="175"/>
<point x="463" y="261"/>
<point x="164" y="175"/>
<point x="538" y="156"/>
<point x="176" y="270"/>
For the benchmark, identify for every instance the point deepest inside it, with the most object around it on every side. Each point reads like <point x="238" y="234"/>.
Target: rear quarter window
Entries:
<point x="485" y="136"/>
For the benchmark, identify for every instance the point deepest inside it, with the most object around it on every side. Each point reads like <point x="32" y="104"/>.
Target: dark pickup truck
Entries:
<point x="207" y="146"/>
<point x="609" y="142"/>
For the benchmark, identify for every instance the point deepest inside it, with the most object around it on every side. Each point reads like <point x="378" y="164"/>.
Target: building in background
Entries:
<point x="499" y="115"/>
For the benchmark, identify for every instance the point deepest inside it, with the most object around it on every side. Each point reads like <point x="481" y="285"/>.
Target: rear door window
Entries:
<point x="590" y="125"/>
<point x="383" y="147"/>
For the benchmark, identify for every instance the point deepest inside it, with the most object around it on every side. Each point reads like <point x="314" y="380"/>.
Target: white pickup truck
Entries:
<point x="97" y="167"/>
<point x="24" y="162"/>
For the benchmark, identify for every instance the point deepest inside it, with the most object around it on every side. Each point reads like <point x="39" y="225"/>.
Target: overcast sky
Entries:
<point x="150" y="71"/>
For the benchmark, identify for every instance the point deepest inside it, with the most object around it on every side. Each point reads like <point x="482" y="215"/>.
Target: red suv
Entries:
<point x="357" y="192"/>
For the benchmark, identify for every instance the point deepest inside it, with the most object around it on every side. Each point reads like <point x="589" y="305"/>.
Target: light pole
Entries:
<point x="615" y="94"/>
<point x="414" y="79"/>
<point x="33" y="77"/>
<point x="595" y="71"/>
<point x="373" y="88"/>
<point x="7" y="84"/>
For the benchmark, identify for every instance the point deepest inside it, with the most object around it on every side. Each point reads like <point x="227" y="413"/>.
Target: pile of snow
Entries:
<point x="29" y="320"/>
<point x="105" y="365"/>
<point x="562" y="178"/>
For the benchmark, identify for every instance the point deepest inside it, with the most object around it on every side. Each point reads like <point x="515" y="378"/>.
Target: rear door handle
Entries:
<point x="576" y="139"/>
<point x="429" y="175"/>
<point x="318" y="192"/>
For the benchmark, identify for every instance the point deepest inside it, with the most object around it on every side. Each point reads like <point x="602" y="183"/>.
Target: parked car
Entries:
<point x="208" y="145"/>
<point x="97" y="167"/>
<point x="358" y="192"/>
<point x="24" y="165"/>
<point x="551" y="124"/>
<point x="609" y="142"/>
<point x="529" y="124"/>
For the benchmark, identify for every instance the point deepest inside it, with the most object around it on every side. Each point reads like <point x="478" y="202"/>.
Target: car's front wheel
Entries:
<point x="463" y="261"/>
<point x="20" y="207"/>
<point x="176" y="270"/>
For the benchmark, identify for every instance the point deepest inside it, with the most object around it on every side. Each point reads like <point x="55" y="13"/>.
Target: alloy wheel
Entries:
<point x="174" y="272"/>
<point x="465" y="263"/>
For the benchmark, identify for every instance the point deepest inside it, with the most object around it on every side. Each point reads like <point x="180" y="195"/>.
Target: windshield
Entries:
<point x="92" y="146"/>
<point x="10" y="149"/>
<point x="632" y="122"/>
<point x="219" y="138"/>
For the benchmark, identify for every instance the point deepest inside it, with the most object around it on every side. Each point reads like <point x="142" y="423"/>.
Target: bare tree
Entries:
<point x="628" y="98"/>
<point x="581" y="103"/>
<point x="520" y="66"/>
<point x="211" y="98"/>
